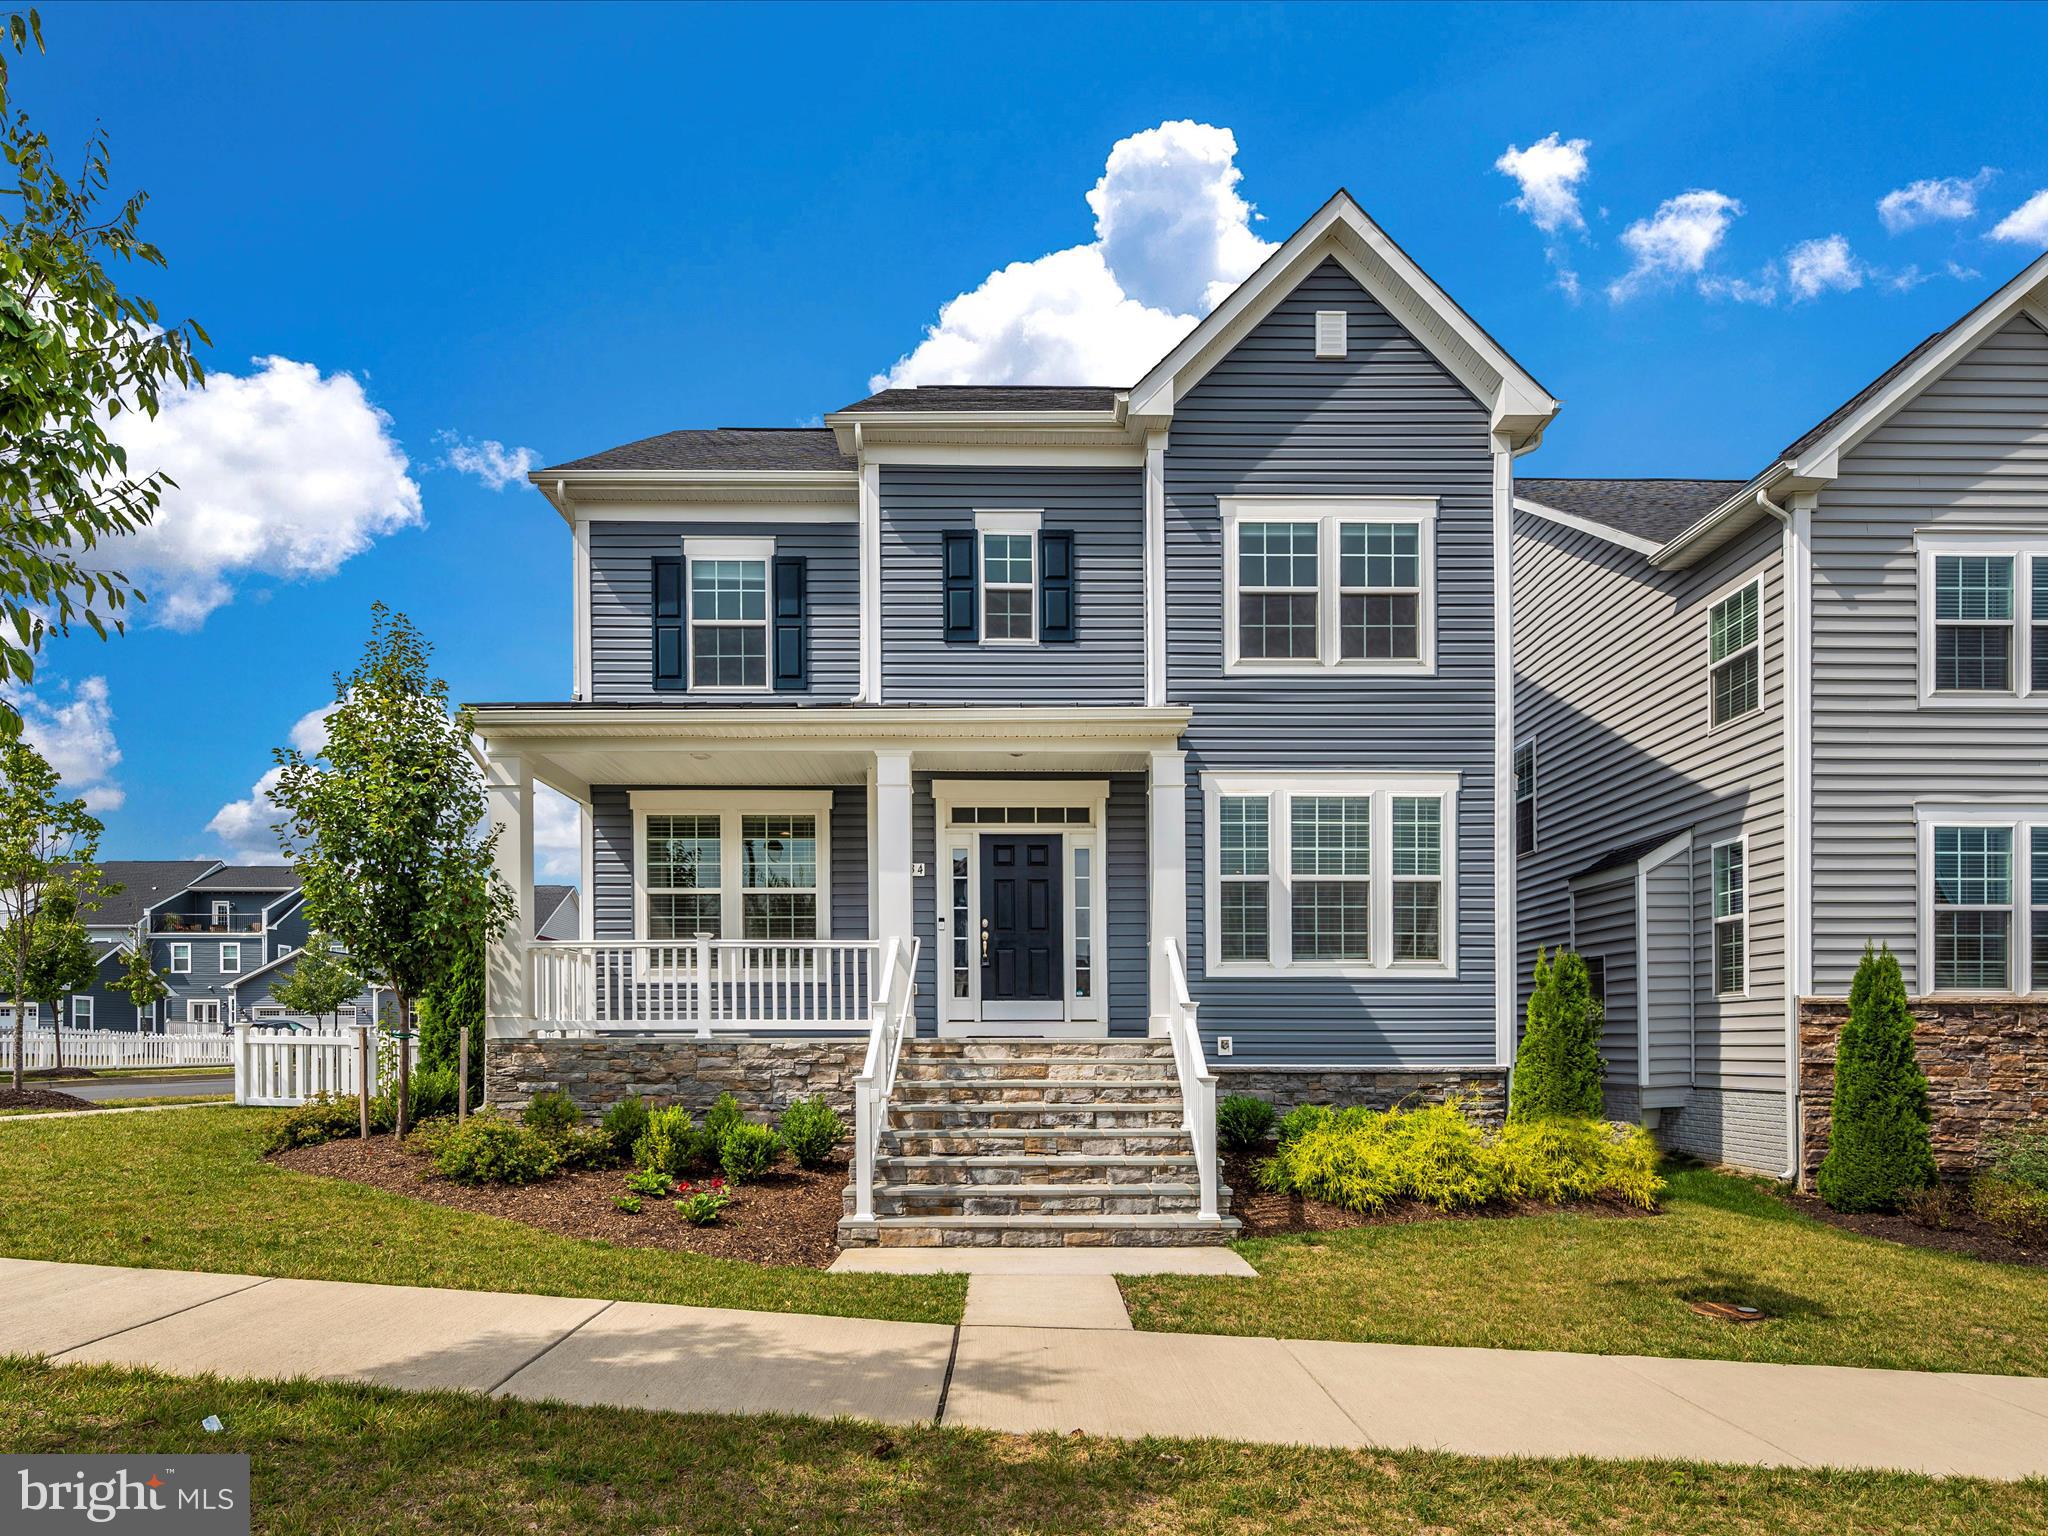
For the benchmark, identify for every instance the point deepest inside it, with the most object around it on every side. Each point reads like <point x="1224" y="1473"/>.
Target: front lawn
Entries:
<point x="149" y="1102"/>
<point x="332" y="1458"/>
<point x="192" y="1191"/>
<point x="1620" y="1285"/>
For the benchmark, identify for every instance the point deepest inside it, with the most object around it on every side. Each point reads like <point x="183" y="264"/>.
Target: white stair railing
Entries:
<point x="1197" y="1082"/>
<point x="893" y="1019"/>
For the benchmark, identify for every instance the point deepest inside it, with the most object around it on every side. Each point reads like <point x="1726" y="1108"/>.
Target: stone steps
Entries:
<point x="1002" y="1171"/>
<point x="1072" y="1140"/>
<point x="1025" y="1090"/>
<point x="1038" y="1115"/>
<point x="1049" y="1231"/>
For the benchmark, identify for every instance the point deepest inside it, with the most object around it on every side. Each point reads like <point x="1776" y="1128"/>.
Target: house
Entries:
<point x="1164" y="728"/>
<point x="1760" y="724"/>
<point x="557" y="912"/>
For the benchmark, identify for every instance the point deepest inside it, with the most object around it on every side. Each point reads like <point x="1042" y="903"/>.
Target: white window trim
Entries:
<point x="2020" y="820"/>
<point x="222" y="914"/>
<point x="2025" y="552"/>
<point x="208" y="1010"/>
<point x="176" y="951"/>
<point x="1735" y="589"/>
<point x="762" y="550"/>
<point x="1526" y="744"/>
<point x="1715" y="920"/>
<point x="1329" y="513"/>
<point x="236" y="950"/>
<point x="730" y="805"/>
<point x="1090" y="1013"/>
<point x="1004" y="520"/>
<point x="81" y="1011"/>
<point x="1383" y="789"/>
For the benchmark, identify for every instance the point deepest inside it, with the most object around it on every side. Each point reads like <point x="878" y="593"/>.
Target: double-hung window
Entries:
<point x="1733" y="654"/>
<point x="729" y="865"/>
<point x="1340" y="873"/>
<point x="1321" y="583"/>
<point x="1731" y="918"/>
<point x="1973" y="914"/>
<point x="1009" y="588"/>
<point x="1525" y="799"/>
<point x="81" y="1012"/>
<point x="181" y="959"/>
<point x="1983" y="618"/>
<point x="230" y="959"/>
<point x="1973" y="623"/>
<point x="728" y="614"/>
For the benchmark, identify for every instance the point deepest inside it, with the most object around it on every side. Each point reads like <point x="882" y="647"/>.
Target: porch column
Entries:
<point x="1167" y="863"/>
<point x="507" y="1004"/>
<point x="892" y="916"/>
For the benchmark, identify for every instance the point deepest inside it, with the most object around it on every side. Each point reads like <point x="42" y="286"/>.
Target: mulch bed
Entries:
<point x="791" y="1217"/>
<point x="1948" y="1225"/>
<point x="42" y="1098"/>
<point x="1265" y="1214"/>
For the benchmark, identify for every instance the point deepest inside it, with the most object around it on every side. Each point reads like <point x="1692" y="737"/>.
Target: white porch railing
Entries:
<point x="1197" y="1082"/>
<point x="894" y="1017"/>
<point x="283" y="1067"/>
<point x="110" y="1048"/>
<point x="703" y="985"/>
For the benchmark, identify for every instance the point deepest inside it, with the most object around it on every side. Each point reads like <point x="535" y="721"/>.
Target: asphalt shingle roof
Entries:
<point x="1658" y="510"/>
<point x="250" y="877"/>
<point x="723" y="448"/>
<point x="990" y="397"/>
<point x="547" y="900"/>
<point x="1627" y="853"/>
<point x="144" y="883"/>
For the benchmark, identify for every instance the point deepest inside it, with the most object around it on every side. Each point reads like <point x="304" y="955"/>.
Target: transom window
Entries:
<point x="1340" y="873"/>
<point x="1322" y="583"/>
<point x="753" y="871"/>
<point x="1009" y="587"/>
<point x="1731" y="919"/>
<point x="1983" y="619"/>
<point x="1734" y="654"/>
<point x="728" y="624"/>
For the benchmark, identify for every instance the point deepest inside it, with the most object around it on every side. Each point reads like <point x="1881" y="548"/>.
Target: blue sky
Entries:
<point x="556" y="230"/>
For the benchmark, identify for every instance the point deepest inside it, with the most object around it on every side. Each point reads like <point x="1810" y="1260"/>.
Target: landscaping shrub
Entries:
<point x="630" y="1204"/>
<point x="486" y="1149"/>
<point x="1366" y="1161"/>
<point x="1558" y="1070"/>
<point x="702" y="1207"/>
<point x="625" y="1123"/>
<point x="2014" y="1210"/>
<point x="811" y="1128"/>
<point x="647" y="1181"/>
<point x="319" y="1119"/>
<point x="431" y="1092"/>
<point x="1878" y="1145"/>
<point x="722" y="1116"/>
<point x="747" y="1151"/>
<point x="551" y="1110"/>
<point x="583" y="1146"/>
<point x="669" y="1144"/>
<point x="1243" y="1122"/>
<point x="1302" y="1119"/>
<point x="2023" y="1160"/>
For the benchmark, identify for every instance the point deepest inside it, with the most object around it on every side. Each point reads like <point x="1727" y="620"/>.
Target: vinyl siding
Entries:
<point x="1668" y="963"/>
<point x="1612" y="686"/>
<point x="1105" y="662"/>
<point x="1970" y="451"/>
<point x="1601" y="922"/>
<point x="1387" y="420"/>
<point x="622" y="607"/>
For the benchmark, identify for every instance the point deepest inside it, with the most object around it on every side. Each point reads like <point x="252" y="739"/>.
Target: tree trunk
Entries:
<point x="404" y="1061"/>
<point x="20" y="1038"/>
<point x="57" y="1036"/>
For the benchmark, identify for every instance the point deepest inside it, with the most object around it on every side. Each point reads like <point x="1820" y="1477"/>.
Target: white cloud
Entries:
<point x="489" y="460"/>
<point x="1813" y="267"/>
<point x="1549" y="172"/>
<point x="2026" y="224"/>
<point x="1675" y="241"/>
<point x="244" y="825"/>
<point x="557" y="836"/>
<point x="1172" y="238"/>
<point x="1931" y="201"/>
<point x="283" y="472"/>
<point x="1763" y="289"/>
<point x="75" y="733"/>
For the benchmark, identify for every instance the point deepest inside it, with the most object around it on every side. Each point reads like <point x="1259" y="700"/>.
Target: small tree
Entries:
<point x="320" y="983"/>
<point x="1558" y="1070"/>
<point x="457" y="999"/>
<point x="1878" y="1144"/>
<point x="140" y="982"/>
<point x="44" y="842"/>
<point x="386" y="825"/>
<point x="60" y="952"/>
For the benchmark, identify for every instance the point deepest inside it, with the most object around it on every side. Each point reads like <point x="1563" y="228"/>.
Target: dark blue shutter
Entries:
<point x="1056" y="586"/>
<point x="792" y="645"/>
<point x="960" y="619"/>
<point x="671" y="648"/>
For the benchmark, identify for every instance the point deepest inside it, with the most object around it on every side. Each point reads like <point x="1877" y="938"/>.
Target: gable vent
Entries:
<point x="1331" y="338"/>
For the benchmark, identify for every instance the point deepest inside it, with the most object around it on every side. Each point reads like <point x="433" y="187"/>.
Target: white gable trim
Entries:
<point x="1640" y="545"/>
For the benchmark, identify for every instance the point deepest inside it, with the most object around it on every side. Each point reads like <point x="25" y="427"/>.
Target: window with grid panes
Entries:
<point x="1277" y="591"/>
<point x="1733" y="653"/>
<point x="1972" y="908"/>
<point x="1973" y="623"/>
<point x="683" y="869"/>
<point x="1331" y="838"/>
<point x="1418" y="878"/>
<point x="1245" y="869"/>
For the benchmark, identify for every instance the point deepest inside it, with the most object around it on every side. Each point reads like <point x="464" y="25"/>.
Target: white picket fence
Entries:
<point x="278" y="1066"/>
<point x="108" y="1048"/>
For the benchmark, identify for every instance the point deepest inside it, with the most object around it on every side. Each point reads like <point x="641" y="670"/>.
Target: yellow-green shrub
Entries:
<point x="1558" y="1160"/>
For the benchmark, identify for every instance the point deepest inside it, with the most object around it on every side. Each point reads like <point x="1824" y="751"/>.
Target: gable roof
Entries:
<point x="1648" y="512"/>
<point x="144" y="883"/>
<point x="717" y="448"/>
<point x="249" y="877"/>
<point x="547" y="901"/>
<point x="989" y="397"/>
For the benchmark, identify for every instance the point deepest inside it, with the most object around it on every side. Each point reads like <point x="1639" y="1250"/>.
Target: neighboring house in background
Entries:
<point x="249" y="998"/>
<point x="1761" y="724"/>
<point x="557" y="913"/>
<point x="113" y="927"/>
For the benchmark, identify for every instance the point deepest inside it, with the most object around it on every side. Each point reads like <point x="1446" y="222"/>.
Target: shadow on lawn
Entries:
<point x="1715" y="1284"/>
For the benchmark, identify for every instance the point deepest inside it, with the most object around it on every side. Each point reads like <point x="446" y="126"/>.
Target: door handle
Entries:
<point x="984" y="941"/>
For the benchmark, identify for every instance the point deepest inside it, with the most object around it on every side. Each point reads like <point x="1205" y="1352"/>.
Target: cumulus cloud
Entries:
<point x="557" y="836"/>
<point x="1932" y="201"/>
<point x="1549" y="172"/>
<point x="1813" y="267"/>
<point x="1675" y="242"/>
<point x="2026" y="224"/>
<point x="1762" y="289"/>
<point x="284" y="472"/>
<point x="1172" y="238"/>
<point x="245" y="826"/>
<point x="72" y="725"/>
<point x="488" y="460"/>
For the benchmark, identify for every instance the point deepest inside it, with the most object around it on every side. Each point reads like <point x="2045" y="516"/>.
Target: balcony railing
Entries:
<point x="173" y="922"/>
<point x="702" y="986"/>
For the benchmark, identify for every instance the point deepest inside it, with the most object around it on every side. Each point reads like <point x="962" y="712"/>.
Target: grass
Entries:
<point x="1615" y="1285"/>
<point x="335" y="1458"/>
<point x="169" y="1098"/>
<point x="102" y="1073"/>
<point x="192" y="1191"/>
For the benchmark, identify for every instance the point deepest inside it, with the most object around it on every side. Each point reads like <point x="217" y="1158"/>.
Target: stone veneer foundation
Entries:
<point x="764" y="1075"/>
<point x="1987" y="1074"/>
<point x="1285" y="1087"/>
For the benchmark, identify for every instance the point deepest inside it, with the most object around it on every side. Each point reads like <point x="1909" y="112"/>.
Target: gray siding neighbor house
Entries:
<point x="1822" y="694"/>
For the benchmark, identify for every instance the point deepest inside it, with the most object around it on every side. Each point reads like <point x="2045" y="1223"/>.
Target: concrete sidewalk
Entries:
<point x="1057" y="1359"/>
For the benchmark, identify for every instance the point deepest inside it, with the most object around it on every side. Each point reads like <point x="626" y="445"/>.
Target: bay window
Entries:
<point x="1315" y="584"/>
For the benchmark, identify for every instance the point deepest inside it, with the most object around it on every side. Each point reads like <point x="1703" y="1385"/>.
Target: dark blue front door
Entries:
<point x="1020" y="918"/>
